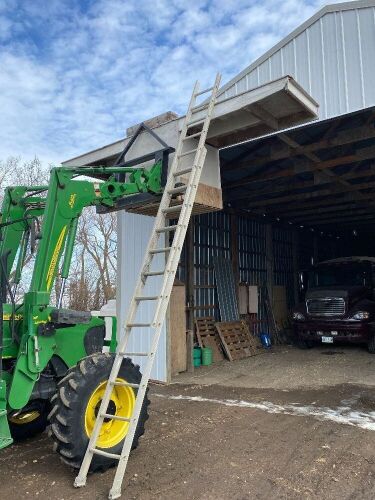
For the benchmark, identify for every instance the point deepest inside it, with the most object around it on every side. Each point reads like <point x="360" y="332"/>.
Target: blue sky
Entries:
<point x="75" y="74"/>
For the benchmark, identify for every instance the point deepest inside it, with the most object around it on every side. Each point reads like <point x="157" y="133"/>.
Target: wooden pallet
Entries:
<point x="237" y="341"/>
<point x="208" y="336"/>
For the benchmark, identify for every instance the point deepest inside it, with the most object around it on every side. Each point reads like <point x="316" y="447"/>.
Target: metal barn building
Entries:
<point x="291" y="191"/>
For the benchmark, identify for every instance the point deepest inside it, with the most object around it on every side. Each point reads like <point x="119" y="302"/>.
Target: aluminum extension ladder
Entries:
<point x="166" y="210"/>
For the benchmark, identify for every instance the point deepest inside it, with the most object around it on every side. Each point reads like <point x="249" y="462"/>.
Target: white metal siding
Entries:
<point x="133" y="235"/>
<point x="333" y="60"/>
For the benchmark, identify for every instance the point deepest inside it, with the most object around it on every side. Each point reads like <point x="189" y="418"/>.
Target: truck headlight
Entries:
<point x="360" y="315"/>
<point x="297" y="316"/>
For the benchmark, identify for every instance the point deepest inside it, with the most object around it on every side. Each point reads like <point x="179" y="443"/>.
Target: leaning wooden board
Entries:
<point x="208" y="336"/>
<point x="237" y="341"/>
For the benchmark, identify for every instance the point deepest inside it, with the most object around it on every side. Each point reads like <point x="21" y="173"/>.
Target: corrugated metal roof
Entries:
<point x="330" y="55"/>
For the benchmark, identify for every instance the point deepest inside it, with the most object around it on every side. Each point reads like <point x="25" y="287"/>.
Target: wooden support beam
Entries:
<point x="319" y="193"/>
<point x="342" y="138"/>
<point x="288" y="210"/>
<point x="269" y="260"/>
<point x="288" y="188"/>
<point x="263" y="115"/>
<point x="291" y="171"/>
<point x="346" y="221"/>
<point x="189" y="266"/>
<point x="295" y="253"/>
<point x="312" y="217"/>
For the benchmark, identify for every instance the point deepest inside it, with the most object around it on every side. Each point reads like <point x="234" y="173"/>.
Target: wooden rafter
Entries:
<point x="341" y="138"/>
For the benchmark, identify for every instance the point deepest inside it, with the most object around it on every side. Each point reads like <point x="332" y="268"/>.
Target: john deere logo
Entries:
<point x="72" y="199"/>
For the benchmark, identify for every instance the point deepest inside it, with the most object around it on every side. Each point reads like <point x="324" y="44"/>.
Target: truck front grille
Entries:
<point x="328" y="306"/>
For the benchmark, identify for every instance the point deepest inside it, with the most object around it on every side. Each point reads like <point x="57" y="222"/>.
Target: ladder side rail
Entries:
<point x="171" y="268"/>
<point x="159" y="315"/>
<point x="125" y="330"/>
<point x="162" y="300"/>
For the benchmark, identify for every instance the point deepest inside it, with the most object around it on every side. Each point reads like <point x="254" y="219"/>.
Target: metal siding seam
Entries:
<point x="338" y="62"/>
<point x="295" y="59"/>
<point x="309" y="59"/>
<point x="323" y="67"/>
<point x="360" y="58"/>
<point x="344" y="60"/>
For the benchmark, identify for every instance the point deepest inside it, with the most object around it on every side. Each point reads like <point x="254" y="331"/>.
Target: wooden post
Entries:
<point x="189" y="351"/>
<point x="234" y="252"/>
<point x="269" y="260"/>
<point x="295" y="252"/>
<point x="189" y="266"/>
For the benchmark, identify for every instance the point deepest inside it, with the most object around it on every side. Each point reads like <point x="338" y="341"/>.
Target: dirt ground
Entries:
<point x="211" y="441"/>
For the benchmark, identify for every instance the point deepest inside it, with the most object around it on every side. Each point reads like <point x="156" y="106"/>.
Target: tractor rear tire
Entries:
<point x="29" y="423"/>
<point x="76" y="404"/>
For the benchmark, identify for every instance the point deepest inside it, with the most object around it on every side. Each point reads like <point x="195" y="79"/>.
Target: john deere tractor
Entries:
<point x="52" y="368"/>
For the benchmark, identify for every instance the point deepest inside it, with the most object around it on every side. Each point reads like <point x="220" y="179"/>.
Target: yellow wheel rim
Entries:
<point x="121" y="404"/>
<point x="24" y="418"/>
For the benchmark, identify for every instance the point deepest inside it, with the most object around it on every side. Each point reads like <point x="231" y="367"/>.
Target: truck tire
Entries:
<point x="76" y="404"/>
<point x="371" y="345"/>
<point x="29" y="423"/>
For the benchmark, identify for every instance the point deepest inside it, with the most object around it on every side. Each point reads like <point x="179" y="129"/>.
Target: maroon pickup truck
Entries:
<point x="339" y="303"/>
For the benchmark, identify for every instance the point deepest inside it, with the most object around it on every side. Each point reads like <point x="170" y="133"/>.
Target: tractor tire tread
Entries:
<point x="71" y="392"/>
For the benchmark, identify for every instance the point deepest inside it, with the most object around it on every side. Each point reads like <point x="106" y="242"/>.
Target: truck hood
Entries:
<point x="346" y="292"/>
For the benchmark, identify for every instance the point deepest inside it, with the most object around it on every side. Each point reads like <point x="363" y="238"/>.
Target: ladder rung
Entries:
<point x="160" y="250"/>
<point x="193" y="135"/>
<point x="105" y="454"/>
<point x="135" y="354"/>
<point x="154" y="273"/>
<point x="115" y="417"/>
<point x="167" y="229"/>
<point x="173" y="208"/>
<point x="178" y="189"/>
<point x="146" y="297"/>
<point x="186" y="153"/>
<point x="126" y="384"/>
<point x="138" y="325"/>
<point x="183" y="171"/>
<point x="203" y="91"/>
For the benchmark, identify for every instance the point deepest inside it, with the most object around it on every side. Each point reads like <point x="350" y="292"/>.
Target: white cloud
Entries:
<point x="74" y="77"/>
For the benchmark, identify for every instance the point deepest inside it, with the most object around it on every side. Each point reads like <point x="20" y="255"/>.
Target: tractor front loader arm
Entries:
<point x="67" y="197"/>
<point x="21" y="205"/>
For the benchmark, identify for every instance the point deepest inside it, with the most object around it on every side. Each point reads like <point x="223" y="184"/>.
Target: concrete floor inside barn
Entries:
<point x="287" y="424"/>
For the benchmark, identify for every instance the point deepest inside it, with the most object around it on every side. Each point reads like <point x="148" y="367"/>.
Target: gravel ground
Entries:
<point x="219" y="442"/>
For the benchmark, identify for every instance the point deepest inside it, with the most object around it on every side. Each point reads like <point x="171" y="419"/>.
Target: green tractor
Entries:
<point x="52" y="368"/>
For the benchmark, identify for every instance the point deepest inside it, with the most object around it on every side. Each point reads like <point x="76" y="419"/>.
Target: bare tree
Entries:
<point x="93" y="269"/>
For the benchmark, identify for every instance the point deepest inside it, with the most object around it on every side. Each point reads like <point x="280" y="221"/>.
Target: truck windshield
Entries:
<point x="340" y="275"/>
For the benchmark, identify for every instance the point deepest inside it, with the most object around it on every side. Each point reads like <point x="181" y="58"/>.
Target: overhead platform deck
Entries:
<point x="320" y="175"/>
<point x="275" y="105"/>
